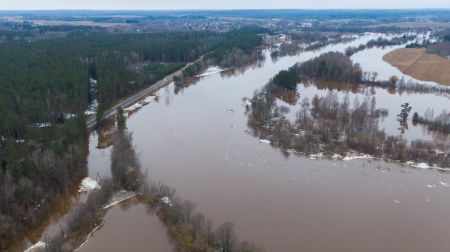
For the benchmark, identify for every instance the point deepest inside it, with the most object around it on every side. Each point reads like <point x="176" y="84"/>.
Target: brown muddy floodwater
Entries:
<point x="125" y="229"/>
<point x="196" y="140"/>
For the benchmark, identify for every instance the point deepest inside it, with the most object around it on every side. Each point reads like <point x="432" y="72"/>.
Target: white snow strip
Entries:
<point x="210" y="71"/>
<point x="425" y="166"/>
<point x="134" y="107"/>
<point x="353" y="157"/>
<point x="40" y="245"/>
<point x="115" y="202"/>
<point x="422" y="166"/>
<point x="88" y="184"/>
<point x="89" y="235"/>
<point x="418" y="165"/>
<point x="264" y="141"/>
<point x="316" y="156"/>
<point x="148" y="99"/>
<point x="42" y="125"/>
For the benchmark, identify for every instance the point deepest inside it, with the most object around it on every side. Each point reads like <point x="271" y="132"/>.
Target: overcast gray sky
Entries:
<point x="218" y="4"/>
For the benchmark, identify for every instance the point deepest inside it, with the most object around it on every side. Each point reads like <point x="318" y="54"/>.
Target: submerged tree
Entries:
<point x="120" y="117"/>
<point x="226" y="239"/>
<point x="125" y="165"/>
<point x="404" y="114"/>
<point x="403" y="117"/>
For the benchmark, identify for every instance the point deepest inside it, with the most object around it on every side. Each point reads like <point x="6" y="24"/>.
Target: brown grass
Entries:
<point x="420" y="65"/>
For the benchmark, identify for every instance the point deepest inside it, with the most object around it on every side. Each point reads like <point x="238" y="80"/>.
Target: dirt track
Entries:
<point x="420" y="65"/>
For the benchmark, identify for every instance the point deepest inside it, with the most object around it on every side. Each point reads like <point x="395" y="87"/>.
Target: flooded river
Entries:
<point x="125" y="226"/>
<point x="197" y="141"/>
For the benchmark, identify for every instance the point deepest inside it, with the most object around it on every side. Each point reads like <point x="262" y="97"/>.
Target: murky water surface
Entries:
<point x="126" y="229"/>
<point x="196" y="140"/>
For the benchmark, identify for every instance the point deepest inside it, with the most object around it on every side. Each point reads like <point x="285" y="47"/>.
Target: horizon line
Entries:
<point x="230" y="9"/>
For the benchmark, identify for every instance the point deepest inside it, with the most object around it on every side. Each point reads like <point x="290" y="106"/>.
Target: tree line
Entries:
<point x="328" y="66"/>
<point x="35" y="171"/>
<point x="440" y="123"/>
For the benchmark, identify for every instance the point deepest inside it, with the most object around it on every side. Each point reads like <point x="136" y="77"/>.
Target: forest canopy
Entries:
<point x="41" y="81"/>
<point x="333" y="66"/>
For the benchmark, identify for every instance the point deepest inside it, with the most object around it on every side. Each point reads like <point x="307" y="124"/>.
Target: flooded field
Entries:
<point x="196" y="139"/>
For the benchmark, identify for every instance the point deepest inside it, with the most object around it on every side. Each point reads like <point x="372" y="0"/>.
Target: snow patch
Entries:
<point x="418" y="165"/>
<point x="425" y="166"/>
<point x="246" y="101"/>
<point x="353" y="157"/>
<point x="166" y="200"/>
<point x="134" y="107"/>
<point x="210" y="71"/>
<point x="147" y="99"/>
<point x="42" y="125"/>
<point x="88" y="184"/>
<point x="69" y="116"/>
<point x="316" y="156"/>
<point x="265" y="141"/>
<point x="336" y="156"/>
<point x="92" y="108"/>
<point x="40" y="245"/>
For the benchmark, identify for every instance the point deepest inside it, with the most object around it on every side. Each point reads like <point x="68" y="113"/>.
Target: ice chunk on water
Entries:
<point x="444" y="184"/>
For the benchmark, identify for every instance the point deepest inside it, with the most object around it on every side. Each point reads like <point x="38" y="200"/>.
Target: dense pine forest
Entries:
<point x="42" y="80"/>
<point x="329" y="66"/>
<point x="44" y="89"/>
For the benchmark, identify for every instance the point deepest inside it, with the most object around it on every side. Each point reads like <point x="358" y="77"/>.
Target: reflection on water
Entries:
<point x="329" y="125"/>
<point x="385" y="99"/>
